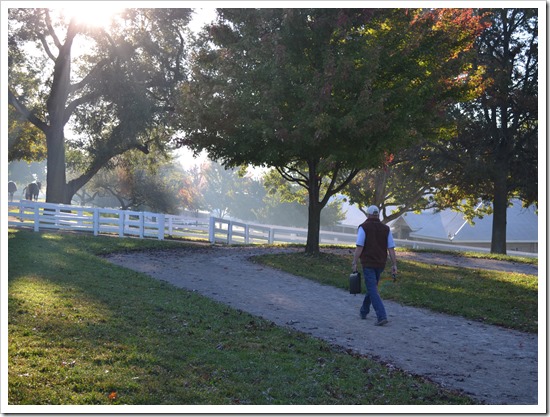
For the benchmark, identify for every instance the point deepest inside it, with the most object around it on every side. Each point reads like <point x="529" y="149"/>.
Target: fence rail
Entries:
<point x="142" y="224"/>
<point x="229" y="231"/>
<point x="40" y="216"/>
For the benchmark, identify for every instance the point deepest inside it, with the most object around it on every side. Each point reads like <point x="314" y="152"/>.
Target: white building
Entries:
<point x="450" y="227"/>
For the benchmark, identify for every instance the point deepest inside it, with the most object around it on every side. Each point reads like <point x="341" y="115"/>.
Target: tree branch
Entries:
<point x="51" y="29"/>
<point x="340" y="187"/>
<point x="25" y="112"/>
<point x="302" y="182"/>
<point x="46" y="46"/>
<point x="93" y="72"/>
<point x="75" y="103"/>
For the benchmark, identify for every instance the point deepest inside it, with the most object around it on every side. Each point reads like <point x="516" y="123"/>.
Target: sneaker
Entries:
<point x="363" y="315"/>
<point x="381" y="322"/>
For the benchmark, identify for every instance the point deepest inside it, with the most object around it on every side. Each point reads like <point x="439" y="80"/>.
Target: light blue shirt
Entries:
<point x="361" y="238"/>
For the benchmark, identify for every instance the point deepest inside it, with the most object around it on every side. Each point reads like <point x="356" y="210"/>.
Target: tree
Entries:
<point x="404" y="182"/>
<point x="25" y="141"/>
<point x="320" y="93"/>
<point x="115" y="92"/>
<point x="190" y="185"/>
<point x="229" y="191"/>
<point x="286" y="204"/>
<point x="495" y="154"/>
<point x="138" y="182"/>
<point x="219" y="188"/>
<point x="407" y="181"/>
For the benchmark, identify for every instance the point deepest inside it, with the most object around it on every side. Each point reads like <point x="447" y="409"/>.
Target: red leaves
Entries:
<point x="388" y="159"/>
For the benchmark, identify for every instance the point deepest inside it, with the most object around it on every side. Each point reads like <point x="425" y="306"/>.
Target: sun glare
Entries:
<point x="91" y="14"/>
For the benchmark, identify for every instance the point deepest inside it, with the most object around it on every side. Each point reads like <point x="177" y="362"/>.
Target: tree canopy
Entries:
<point x="494" y="156"/>
<point x="320" y="93"/>
<point x="112" y="84"/>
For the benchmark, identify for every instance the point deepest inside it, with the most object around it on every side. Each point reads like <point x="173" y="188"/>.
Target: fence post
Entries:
<point x="229" y="232"/>
<point x="141" y="224"/>
<point x="96" y="221"/>
<point x="121" y="218"/>
<point x="212" y="230"/>
<point x="271" y="236"/>
<point x="161" y="227"/>
<point x="57" y="211"/>
<point x="36" y="217"/>
<point x="246" y="234"/>
<point x="170" y="225"/>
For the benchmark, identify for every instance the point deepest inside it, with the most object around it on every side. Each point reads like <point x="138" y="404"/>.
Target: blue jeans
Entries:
<point x="372" y="276"/>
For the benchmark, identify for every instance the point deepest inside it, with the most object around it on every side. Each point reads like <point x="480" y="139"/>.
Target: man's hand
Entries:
<point x="356" y="255"/>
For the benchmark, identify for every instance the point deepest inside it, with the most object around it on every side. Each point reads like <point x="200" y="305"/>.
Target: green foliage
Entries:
<point x="478" y="158"/>
<point x="25" y="141"/>
<point x="224" y="191"/>
<point x="84" y="332"/>
<point x="318" y="84"/>
<point x="269" y="200"/>
<point x="404" y="181"/>
<point x="136" y="181"/>
<point x="321" y="93"/>
<point x="494" y="156"/>
<point x="285" y="204"/>
<point x="117" y="92"/>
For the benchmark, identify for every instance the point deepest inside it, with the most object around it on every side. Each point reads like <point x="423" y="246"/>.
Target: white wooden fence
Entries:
<point x="229" y="231"/>
<point x="44" y="216"/>
<point x="41" y="216"/>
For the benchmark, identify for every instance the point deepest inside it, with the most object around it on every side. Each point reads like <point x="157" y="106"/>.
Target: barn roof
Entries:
<point x="522" y="225"/>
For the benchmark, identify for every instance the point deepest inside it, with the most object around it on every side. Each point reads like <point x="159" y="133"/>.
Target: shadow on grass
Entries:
<point x="83" y="331"/>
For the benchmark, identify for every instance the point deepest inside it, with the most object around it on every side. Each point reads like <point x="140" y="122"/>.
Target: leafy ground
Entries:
<point x="82" y="331"/>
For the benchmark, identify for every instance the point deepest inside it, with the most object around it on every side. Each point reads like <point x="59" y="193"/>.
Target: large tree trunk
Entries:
<point x="314" y="210"/>
<point x="56" y="190"/>
<point x="500" y="198"/>
<point x="316" y="204"/>
<point x="500" y="208"/>
<point x="313" y="225"/>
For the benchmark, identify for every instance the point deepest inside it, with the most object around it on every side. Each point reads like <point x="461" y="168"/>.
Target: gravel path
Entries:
<point x="491" y="364"/>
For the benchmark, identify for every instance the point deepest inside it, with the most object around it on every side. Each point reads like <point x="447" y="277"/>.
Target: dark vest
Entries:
<point x="375" y="249"/>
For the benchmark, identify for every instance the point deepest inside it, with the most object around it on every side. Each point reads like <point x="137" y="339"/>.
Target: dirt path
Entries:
<point x="491" y="364"/>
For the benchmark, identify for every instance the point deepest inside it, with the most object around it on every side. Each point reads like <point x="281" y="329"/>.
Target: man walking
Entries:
<point x="374" y="241"/>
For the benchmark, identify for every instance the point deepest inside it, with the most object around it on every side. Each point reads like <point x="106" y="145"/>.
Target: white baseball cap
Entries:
<point x="372" y="210"/>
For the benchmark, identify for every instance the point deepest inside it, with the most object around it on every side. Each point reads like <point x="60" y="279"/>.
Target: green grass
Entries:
<point x="501" y="298"/>
<point x="478" y="255"/>
<point x="83" y="331"/>
<point x="481" y="255"/>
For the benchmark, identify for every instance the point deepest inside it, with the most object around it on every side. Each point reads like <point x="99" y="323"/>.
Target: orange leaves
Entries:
<point x="388" y="159"/>
<point x="113" y="396"/>
<point x="459" y="26"/>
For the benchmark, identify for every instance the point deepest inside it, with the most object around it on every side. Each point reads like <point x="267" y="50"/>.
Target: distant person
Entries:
<point x="374" y="241"/>
<point x="12" y="188"/>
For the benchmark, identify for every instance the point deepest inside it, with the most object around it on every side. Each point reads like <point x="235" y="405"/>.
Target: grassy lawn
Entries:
<point x="480" y="255"/>
<point x="500" y="298"/>
<point x="83" y="331"/>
